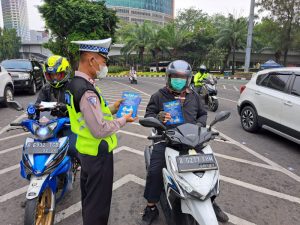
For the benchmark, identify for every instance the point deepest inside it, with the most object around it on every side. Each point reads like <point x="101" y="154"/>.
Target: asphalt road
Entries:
<point x="260" y="173"/>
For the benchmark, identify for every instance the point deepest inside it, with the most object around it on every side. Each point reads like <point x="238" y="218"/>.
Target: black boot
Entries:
<point x="221" y="216"/>
<point x="150" y="214"/>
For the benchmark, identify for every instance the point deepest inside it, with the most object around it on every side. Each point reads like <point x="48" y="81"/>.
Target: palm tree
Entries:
<point x="137" y="39"/>
<point x="157" y="44"/>
<point x="173" y="37"/>
<point x="232" y="36"/>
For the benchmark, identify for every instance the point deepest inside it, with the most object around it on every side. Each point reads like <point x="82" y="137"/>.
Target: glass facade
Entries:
<point x="162" y="6"/>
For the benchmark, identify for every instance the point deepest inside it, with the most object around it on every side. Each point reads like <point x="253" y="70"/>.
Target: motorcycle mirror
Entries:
<point x="221" y="116"/>
<point x="15" y="105"/>
<point x="152" y="122"/>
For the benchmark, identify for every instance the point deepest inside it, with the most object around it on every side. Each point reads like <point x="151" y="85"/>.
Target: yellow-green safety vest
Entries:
<point x="86" y="143"/>
<point x="198" y="78"/>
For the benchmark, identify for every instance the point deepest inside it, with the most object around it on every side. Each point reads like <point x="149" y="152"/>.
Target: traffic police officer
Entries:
<point x="91" y="119"/>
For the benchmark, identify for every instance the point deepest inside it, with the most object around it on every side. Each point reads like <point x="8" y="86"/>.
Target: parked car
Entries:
<point x="6" y="86"/>
<point x="271" y="100"/>
<point x="26" y="74"/>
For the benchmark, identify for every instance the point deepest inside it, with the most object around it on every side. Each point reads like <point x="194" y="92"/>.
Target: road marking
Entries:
<point x="13" y="136"/>
<point x="10" y="149"/>
<point x="64" y="214"/>
<point x="261" y="157"/>
<point x="224" y="87"/>
<point x="146" y="102"/>
<point x="13" y="194"/>
<point x="260" y="189"/>
<point x="8" y="169"/>
<point x="117" y="184"/>
<point x="235" y="88"/>
<point x="256" y="188"/>
<point x="238" y="221"/>
<point x="15" y="121"/>
<point x="153" y="83"/>
<point x="247" y="162"/>
<point x="128" y="149"/>
<point x="132" y="88"/>
<point x="226" y="99"/>
<point x="132" y="134"/>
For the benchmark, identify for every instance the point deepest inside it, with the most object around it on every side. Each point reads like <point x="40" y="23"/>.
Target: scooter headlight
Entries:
<point x="44" y="132"/>
<point x="183" y="183"/>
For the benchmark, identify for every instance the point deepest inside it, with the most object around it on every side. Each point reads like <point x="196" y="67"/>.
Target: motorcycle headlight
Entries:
<point x="44" y="132"/>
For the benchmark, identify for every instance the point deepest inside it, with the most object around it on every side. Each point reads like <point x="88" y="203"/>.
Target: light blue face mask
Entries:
<point x="178" y="84"/>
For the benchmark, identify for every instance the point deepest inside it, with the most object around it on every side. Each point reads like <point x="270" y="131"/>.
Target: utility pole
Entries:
<point x="249" y="37"/>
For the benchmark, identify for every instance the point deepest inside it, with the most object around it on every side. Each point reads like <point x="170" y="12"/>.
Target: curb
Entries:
<point x="116" y="76"/>
<point x="233" y="78"/>
<point x="219" y="78"/>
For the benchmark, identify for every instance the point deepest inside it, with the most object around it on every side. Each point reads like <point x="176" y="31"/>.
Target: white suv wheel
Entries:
<point x="249" y="119"/>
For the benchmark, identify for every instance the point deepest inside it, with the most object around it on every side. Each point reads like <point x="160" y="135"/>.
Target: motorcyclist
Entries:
<point x="199" y="77"/>
<point x="58" y="74"/>
<point x="178" y="78"/>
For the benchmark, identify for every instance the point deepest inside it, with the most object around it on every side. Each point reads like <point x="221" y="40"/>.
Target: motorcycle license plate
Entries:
<point x="199" y="162"/>
<point x="42" y="148"/>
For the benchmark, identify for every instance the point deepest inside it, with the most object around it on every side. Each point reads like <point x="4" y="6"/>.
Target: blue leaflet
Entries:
<point x="131" y="103"/>
<point x="174" y="108"/>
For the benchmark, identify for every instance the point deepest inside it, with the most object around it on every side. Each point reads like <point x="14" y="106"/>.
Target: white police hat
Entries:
<point x="99" y="46"/>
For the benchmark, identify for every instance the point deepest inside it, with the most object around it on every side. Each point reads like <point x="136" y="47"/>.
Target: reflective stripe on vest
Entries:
<point x="86" y="143"/>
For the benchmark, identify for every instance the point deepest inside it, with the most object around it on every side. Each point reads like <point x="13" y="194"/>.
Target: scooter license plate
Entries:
<point x="42" y="148"/>
<point x="198" y="162"/>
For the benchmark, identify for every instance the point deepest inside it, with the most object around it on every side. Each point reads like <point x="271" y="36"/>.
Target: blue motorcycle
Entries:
<point x="46" y="165"/>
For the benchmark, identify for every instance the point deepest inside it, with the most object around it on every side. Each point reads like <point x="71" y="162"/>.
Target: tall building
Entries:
<point x="157" y="11"/>
<point x="15" y="16"/>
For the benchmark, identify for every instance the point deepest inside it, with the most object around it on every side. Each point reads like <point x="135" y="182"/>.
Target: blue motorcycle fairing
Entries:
<point x="51" y="180"/>
<point x="28" y="123"/>
<point x="63" y="167"/>
<point x="40" y="162"/>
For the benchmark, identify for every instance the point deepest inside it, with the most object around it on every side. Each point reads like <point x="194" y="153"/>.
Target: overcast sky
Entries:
<point x="237" y="7"/>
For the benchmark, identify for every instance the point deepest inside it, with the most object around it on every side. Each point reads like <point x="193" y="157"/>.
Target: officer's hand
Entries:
<point x="118" y="103"/>
<point x="129" y="118"/>
<point x="163" y="117"/>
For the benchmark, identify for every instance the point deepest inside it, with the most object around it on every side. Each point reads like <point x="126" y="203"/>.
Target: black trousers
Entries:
<point x="96" y="182"/>
<point x="154" y="181"/>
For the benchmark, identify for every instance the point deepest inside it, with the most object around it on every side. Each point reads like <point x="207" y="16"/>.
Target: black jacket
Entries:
<point x="50" y="94"/>
<point x="193" y="111"/>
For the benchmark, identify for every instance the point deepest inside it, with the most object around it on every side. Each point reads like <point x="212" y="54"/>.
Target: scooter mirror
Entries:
<point x="152" y="122"/>
<point x="15" y="105"/>
<point x="221" y="116"/>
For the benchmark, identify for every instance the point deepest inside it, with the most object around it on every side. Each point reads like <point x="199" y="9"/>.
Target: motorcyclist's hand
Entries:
<point x="164" y="117"/>
<point x="129" y="118"/>
<point x="118" y="103"/>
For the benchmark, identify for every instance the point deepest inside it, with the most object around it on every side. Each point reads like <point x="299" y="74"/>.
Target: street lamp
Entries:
<point x="250" y="34"/>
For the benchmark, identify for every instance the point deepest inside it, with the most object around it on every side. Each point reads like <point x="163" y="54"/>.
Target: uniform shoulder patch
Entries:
<point x="67" y="98"/>
<point x="92" y="100"/>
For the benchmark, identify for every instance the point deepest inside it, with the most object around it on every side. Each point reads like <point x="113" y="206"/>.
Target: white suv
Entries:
<point x="271" y="100"/>
<point x="6" y="86"/>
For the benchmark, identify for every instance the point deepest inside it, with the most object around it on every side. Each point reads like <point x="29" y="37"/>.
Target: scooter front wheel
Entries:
<point x="38" y="210"/>
<point x="213" y="104"/>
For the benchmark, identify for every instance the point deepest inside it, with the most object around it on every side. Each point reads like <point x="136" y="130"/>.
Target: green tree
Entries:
<point x="286" y="13"/>
<point x="157" y="44"/>
<point x="262" y="34"/>
<point x="187" y="19"/>
<point x="174" y="37"/>
<point x="137" y="39"/>
<point x="70" y="20"/>
<point x="10" y="44"/>
<point x="232" y="36"/>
